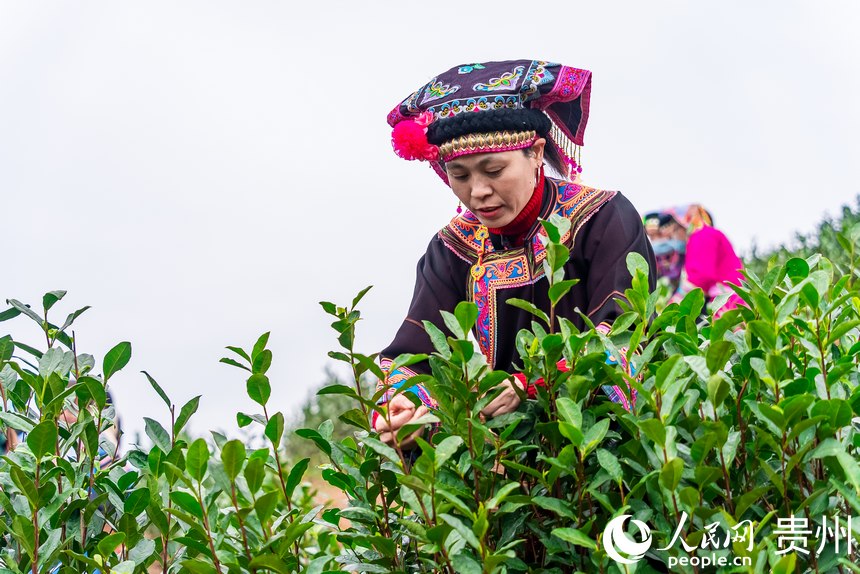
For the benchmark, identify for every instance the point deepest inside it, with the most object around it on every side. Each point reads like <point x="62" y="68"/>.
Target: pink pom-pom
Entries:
<point x="409" y="139"/>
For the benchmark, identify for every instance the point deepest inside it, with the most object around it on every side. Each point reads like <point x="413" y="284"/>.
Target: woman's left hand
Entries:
<point x="507" y="401"/>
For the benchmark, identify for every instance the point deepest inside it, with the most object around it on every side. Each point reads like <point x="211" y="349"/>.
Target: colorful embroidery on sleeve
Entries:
<point x="397" y="378"/>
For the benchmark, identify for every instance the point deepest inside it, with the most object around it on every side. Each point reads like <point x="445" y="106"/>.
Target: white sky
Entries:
<point x="204" y="171"/>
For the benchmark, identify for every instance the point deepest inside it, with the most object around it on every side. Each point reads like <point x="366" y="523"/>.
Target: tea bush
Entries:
<point x="743" y="438"/>
<point x="835" y="238"/>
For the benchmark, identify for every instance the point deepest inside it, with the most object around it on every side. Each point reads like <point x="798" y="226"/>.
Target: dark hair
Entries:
<point x="520" y="120"/>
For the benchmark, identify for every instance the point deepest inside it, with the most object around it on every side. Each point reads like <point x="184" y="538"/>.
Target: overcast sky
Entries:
<point x="203" y="171"/>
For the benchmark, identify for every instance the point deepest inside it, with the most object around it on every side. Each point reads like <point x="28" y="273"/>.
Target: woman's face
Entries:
<point x="674" y="231"/>
<point x="496" y="186"/>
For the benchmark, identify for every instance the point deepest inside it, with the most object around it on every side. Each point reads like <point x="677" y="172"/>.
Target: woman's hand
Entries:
<point x="401" y="412"/>
<point x="507" y="401"/>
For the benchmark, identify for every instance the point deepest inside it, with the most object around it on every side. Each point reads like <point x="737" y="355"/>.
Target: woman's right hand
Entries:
<point x="401" y="412"/>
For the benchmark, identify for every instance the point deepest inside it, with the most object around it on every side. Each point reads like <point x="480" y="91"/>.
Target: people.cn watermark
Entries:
<point x="793" y="534"/>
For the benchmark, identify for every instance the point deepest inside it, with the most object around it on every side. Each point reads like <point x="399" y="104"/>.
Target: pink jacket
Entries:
<point x="711" y="262"/>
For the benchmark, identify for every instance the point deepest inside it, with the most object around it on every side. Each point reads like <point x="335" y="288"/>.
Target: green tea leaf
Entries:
<point x="296" y="474"/>
<point x="670" y="476"/>
<point x="466" y="313"/>
<point x="569" y="411"/>
<point x="265" y="505"/>
<point x="259" y="346"/>
<point x="239" y="351"/>
<point x="530" y="307"/>
<point x="233" y="456"/>
<point x="558" y="506"/>
<point x="501" y="495"/>
<point x="187" y="502"/>
<point x="360" y="296"/>
<point x="185" y="413"/>
<point x="718" y="355"/>
<point x="610" y="463"/>
<point x="42" y="440"/>
<point x="718" y="390"/>
<point x="274" y="430"/>
<point x="797" y="268"/>
<point x="465" y="564"/>
<point x="635" y="262"/>
<point x="255" y="472"/>
<point x="116" y="359"/>
<point x="157" y="434"/>
<point x="262" y="362"/>
<point x="136" y="501"/>
<point x="109" y="543"/>
<point x="71" y="318"/>
<point x="575" y="536"/>
<point x="785" y="565"/>
<point x="594" y="435"/>
<point x="446" y="449"/>
<point x="50" y="298"/>
<point x="437" y="337"/>
<point x="558" y="290"/>
<point x="462" y="530"/>
<point x="26" y="485"/>
<point x="233" y="363"/>
<point x="453" y="325"/>
<point x="7" y="348"/>
<point x="158" y="389"/>
<point x="259" y="389"/>
<point x="654" y="430"/>
<point x="197" y="459"/>
<point x="355" y="417"/>
<point x="10" y="313"/>
<point x="25" y="309"/>
<point x="623" y="322"/>
<point x="382" y="449"/>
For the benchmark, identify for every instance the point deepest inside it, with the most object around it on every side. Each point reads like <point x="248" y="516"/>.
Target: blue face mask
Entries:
<point x="667" y="246"/>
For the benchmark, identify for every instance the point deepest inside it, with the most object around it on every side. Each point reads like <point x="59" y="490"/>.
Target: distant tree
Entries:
<point x="837" y="238"/>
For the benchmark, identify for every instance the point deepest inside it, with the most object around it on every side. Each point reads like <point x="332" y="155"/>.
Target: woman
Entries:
<point x="489" y="130"/>
<point x="707" y="259"/>
<point x="668" y="251"/>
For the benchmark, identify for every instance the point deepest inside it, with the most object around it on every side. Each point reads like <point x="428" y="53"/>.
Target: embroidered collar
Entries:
<point x="516" y="231"/>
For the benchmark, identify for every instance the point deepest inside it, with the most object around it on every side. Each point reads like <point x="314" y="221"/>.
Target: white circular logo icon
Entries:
<point x="617" y="542"/>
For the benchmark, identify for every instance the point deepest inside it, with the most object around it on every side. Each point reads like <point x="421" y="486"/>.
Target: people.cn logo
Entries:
<point x="616" y="541"/>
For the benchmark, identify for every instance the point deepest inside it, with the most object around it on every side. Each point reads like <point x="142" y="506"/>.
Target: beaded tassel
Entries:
<point x="571" y="153"/>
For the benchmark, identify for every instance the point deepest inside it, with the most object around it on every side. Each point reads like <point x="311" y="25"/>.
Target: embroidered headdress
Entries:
<point x="494" y="106"/>
<point x="692" y="216"/>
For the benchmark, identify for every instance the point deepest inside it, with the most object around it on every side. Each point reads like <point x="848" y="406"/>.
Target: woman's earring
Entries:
<point x="538" y="173"/>
<point x="459" y="207"/>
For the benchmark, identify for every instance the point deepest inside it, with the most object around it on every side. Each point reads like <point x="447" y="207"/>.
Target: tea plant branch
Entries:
<point x="386" y="529"/>
<point x="46" y="329"/>
<point x="742" y="458"/>
<point x="278" y="464"/>
<point x="241" y="522"/>
<point x="36" y="521"/>
<point x="725" y="470"/>
<point x="205" y="513"/>
<point x="165" y="557"/>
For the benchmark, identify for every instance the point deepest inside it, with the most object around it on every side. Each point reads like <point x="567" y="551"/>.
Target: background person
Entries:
<point x="692" y="253"/>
